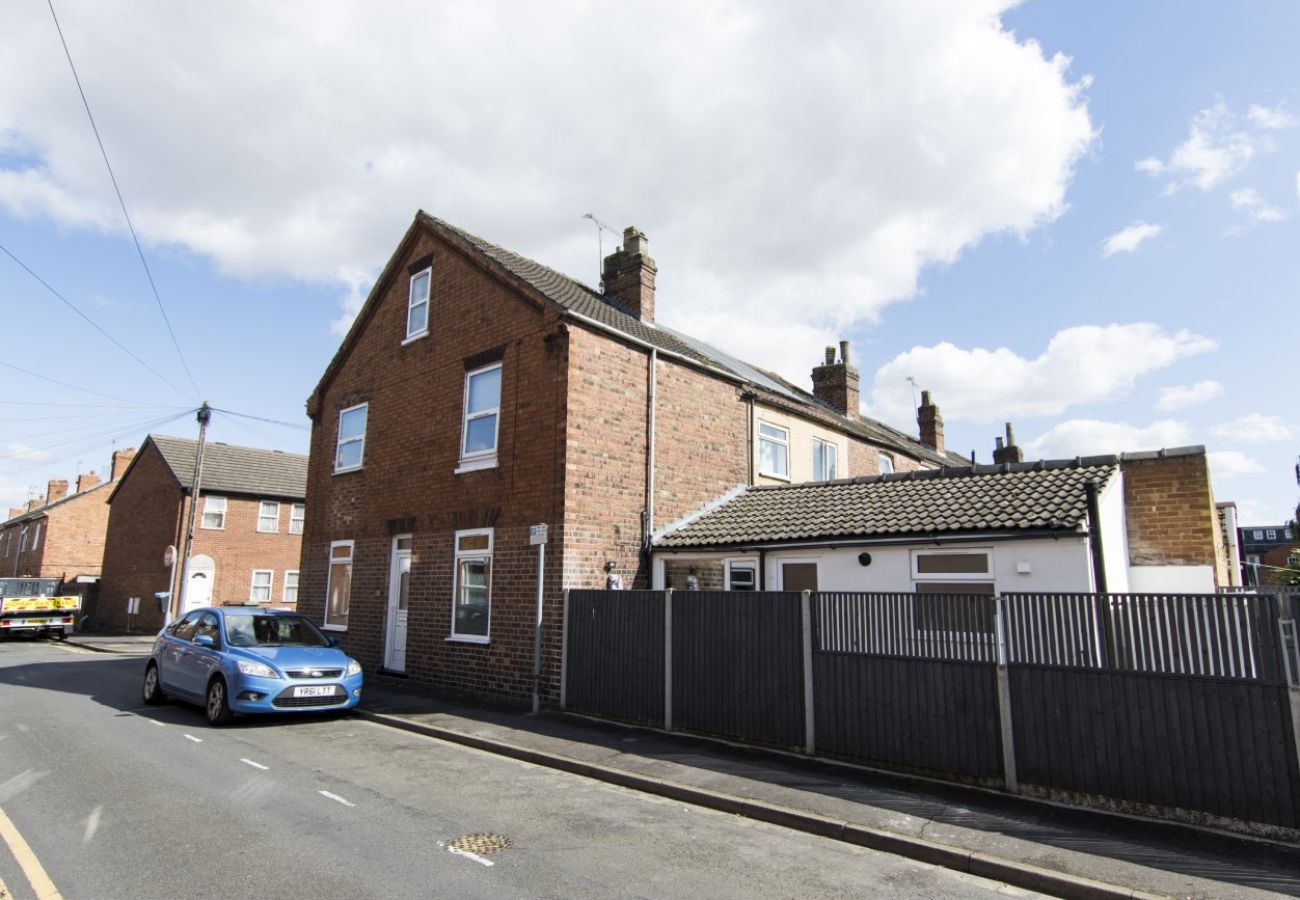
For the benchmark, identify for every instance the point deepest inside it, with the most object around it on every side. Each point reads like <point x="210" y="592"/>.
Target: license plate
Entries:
<point x="314" y="691"/>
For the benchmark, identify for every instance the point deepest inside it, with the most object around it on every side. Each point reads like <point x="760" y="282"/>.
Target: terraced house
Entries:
<point x="479" y="393"/>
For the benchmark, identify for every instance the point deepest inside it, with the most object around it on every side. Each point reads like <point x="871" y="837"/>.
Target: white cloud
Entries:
<point x="1127" y="241"/>
<point x="1090" y="437"/>
<point x="299" y="138"/>
<point x="1184" y="395"/>
<point x="19" y="451"/>
<point x="1084" y="364"/>
<point x="1256" y="428"/>
<point x="1217" y="148"/>
<point x="1255" y="206"/>
<point x="1232" y="464"/>
<point x="1272" y="119"/>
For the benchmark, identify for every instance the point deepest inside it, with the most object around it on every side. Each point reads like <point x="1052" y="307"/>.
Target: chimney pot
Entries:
<point x="1009" y="452"/>
<point x="836" y="383"/>
<point x="844" y="352"/>
<point x="830" y="356"/>
<point x="121" y="459"/>
<point x="56" y="490"/>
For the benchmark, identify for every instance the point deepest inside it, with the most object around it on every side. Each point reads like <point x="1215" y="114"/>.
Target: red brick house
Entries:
<point x="61" y="535"/>
<point x="479" y="393"/>
<point x="247" y="532"/>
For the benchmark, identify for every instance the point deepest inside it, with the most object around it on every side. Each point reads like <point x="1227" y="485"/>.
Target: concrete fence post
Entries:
<point x="809" y="713"/>
<point x="668" y="659"/>
<point x="564" y="654"/>
<point x="1004" y="699"/>
<point x="1290" y="646"/>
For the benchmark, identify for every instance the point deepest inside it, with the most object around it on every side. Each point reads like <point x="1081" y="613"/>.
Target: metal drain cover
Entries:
<point x="481" y="844"/>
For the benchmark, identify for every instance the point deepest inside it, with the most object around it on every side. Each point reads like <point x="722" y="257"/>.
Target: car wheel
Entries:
<point x="217" y="708"/>
<point x="153" y="694"/>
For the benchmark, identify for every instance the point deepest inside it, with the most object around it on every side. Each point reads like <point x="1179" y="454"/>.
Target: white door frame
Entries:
<point x="204" y="566"/>
<point x="395" y="624"/>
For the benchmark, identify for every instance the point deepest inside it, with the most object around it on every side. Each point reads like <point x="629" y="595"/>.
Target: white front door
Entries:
<point x="199" y="591"/>
<point x="399" y="586"/>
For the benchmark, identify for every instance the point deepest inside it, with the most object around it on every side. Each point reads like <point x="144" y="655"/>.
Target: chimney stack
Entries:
<point x="34" y="503"/>
<point x="836" y="383"/>
<point x="87" y="481"/>
<point x="930" y="422"/>
<point x="629" y="276"/>
<point x="16" y="511"/>
<point x="121" y="459"/>
<point x="1008" y="453"/>
<point x="56" y="490"/>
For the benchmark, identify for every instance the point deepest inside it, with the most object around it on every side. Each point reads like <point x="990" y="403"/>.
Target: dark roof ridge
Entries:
<point x="169" y="437"/>
<point x="41" y="510"/>
<point x="1038" y="465"/>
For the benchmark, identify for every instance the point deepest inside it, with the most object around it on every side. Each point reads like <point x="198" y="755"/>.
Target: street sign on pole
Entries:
<point x="537" y="534"/>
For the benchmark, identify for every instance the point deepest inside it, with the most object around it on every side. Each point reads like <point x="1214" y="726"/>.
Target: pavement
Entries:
<point x="1059" y="850"/>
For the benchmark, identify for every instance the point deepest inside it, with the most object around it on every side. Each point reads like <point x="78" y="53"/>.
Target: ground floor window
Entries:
<point x="260" y="590"/>
<point x="955" y="590"/>
<point x="290" y="594"/>
<point x="472" y="592"/>
<point x="338" y="591"/>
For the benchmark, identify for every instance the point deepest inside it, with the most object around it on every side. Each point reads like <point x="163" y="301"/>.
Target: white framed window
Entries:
<point x="260" y="589"/>
<point x="1271" y="534"/>
<point x="289" y="593"/>
<point x="478" y="446"/>
<point x="886" y="464"/>
<point x="741" y="575"/>
<point x="268" y="517"/>
<point x="773" y="451"/>
<point x="214" y="513"/>
<point x="952" y="565"/>
<point x="22" y="540"/>
<point x="297" y="516"/>
<point x="417" y="306"/>
<point x="351" y="448"/>
<point x="824" y="460"/>
<point x="338" y="589"/>
<point x="472" y="591"/>
<point x="952" y="587"/>
<point x="1259" y="534"/>
<point x="36" y="536"/>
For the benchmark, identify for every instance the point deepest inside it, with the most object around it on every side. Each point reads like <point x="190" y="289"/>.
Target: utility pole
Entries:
<point x="178" y="603"/>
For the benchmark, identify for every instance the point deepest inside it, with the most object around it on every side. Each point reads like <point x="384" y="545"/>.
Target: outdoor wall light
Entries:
<point x="864" y="559"/>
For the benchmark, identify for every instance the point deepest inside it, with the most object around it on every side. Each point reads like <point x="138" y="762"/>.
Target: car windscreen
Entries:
<point x="272" y="631"/>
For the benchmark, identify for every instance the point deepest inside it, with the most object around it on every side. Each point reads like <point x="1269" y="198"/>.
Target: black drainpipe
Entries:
<point x="1094" y="535"/>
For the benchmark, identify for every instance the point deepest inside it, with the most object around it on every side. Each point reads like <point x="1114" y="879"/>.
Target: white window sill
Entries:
<point x="468" y="639"/>
<point x="411" y="339"/>
<point x="268" y="531"/>
<point x="348" y="469"/>
<point x="476" y="465"/>
<point x="774" y="475"/>
<point x="334" y="628"/>
<point x="212" y="528"/>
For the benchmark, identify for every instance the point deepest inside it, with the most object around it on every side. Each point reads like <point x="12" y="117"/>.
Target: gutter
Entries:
<point x="645" y="345"/>
<point x="648" y="527"/>
<point x="929" y="537"/>
<point x="1090" y="490"/>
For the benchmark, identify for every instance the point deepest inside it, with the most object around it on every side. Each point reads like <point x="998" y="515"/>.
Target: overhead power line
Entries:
<point x="231" y="412"/>
<point x="72" y="306"/>
<point x="74" y="387"/>
<point x="122" y="202"/>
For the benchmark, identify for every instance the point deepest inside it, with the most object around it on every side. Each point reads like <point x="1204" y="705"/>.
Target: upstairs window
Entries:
<point x="478" y="449"/>
<point x="1272" y="534"/>
<point x="36" y="536"/>
<point x="268" y="517"/>
<point x="773" y="451"/>
<point x="1259" y="534"/>
<point x="214" y="513"/>
<point x="824" y="460"/>
<point x="417" y="307"/>
<point x="886" y="464"/>
<point x="22" y="540"/>
<point x="351" y="449"/>
<point x="297" y="516"/>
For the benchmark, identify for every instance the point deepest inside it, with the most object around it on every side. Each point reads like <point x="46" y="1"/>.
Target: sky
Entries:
<point x="1078" y="218"/>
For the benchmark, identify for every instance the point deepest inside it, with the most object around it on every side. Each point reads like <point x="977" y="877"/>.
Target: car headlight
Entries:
<point x="258" y="670"/>
<point x="354" y="668"/>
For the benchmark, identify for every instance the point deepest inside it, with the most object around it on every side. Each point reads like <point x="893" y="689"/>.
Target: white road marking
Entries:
<point x="255" y="765"/>
<point x="190" y="737"/>
<point x="159" y="724"/>
<point x="474" y="856"/>
<point x="336" y="798"/>
<point x="92" y="824"/>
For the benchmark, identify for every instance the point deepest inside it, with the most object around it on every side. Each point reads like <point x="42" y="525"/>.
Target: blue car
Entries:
<point x="236" y="660"/>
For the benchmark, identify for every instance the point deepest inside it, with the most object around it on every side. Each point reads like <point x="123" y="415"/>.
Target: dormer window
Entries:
<point x="417" y="306"/>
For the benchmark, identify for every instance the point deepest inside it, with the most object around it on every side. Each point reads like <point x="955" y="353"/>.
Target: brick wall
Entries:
<point x="407" y="483"/>
<point x="1169" y="504"/>
<point x="71" y="539"/>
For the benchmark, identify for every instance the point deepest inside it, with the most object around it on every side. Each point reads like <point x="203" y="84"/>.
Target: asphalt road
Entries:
<point x="114" y="799"/>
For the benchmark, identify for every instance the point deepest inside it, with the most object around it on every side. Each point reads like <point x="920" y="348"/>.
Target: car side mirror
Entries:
<point x="331" y="641"/>
<point x="205" y="640"/>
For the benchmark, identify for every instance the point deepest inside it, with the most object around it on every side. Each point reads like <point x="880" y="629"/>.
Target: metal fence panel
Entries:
<point x="615" y="647"/>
